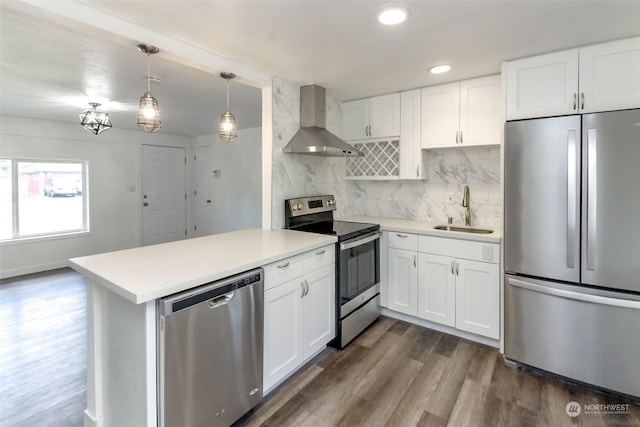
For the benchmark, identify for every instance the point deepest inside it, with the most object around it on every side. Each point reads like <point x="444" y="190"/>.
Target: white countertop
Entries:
<point x="426" y="228"/>
<point x="150" y="272"/>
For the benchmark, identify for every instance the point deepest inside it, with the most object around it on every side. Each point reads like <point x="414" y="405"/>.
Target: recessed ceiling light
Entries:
<point x="393" y="15"/>
<point x="438" y="69"/>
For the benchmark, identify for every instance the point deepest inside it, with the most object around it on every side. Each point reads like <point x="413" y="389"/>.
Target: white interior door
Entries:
<point x="163" y="194"/>
<point x="203" y="212"/>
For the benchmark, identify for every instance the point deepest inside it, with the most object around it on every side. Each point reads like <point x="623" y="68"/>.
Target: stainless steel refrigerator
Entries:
<point x="572" y="247"/>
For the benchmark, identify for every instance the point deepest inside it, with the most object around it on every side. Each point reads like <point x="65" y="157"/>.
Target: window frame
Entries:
<point x="15" y="201"/>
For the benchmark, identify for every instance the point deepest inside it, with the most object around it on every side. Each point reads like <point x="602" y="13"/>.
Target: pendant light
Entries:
<point x="228" y="128"/>
<point x="95" y="121"/>
<point x="149" y="112"/>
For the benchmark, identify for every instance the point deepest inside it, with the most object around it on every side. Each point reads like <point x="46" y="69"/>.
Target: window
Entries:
<point x="42" y="198"/>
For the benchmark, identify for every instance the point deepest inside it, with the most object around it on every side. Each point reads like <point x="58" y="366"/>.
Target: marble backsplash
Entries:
<point x="436" y="198"/>
<point x="440" y="196"/>
<point x="296" y="175"/>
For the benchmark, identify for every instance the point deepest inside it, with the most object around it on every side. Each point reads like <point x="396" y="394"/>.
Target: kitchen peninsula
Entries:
<point x="122" y="291"/>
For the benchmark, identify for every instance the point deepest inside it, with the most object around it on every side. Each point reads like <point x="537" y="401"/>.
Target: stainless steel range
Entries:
<point x="357" y="262"/>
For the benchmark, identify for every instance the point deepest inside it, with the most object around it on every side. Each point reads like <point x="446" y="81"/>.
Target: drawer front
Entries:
<point x="467" y="249"/>
<point x="320" y="257"/>
<point x="284" y="270"/>
<point x="405" y="241"/>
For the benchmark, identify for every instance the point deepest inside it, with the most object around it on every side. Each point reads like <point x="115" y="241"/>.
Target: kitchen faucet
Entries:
<point x="465" y="203"/>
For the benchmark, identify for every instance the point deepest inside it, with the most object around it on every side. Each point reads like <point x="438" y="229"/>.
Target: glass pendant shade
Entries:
<point x="95" y="121"/>
<point x="149" y="113"/>
<point x="228" y="127"/>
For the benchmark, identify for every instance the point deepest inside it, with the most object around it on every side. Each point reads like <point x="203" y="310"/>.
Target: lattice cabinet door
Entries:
<point x="381" y="160"/>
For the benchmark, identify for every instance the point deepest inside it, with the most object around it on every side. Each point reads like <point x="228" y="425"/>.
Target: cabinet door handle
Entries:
<point x="320" y="252"/>
<point x="461" y="140"/>
<point x="582" y="100"/>
<point x="402" y="235"/>
<point x="457" y="137"/>
<point x="457" y="269"/>
<point x="306" y="282"/>
<point x="415" y="261"/>
<point x="418" y="171"/>
<point x="303" y="289"/>
<point x="575" y="100"/>
<point x="452" y="272"/>
<point x="283" y="265"/>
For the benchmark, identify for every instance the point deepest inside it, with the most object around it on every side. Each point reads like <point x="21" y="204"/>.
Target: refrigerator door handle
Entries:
<point x="572" y="197"/>
<point x="595" y="299"/>
<point x="592" y="198"/>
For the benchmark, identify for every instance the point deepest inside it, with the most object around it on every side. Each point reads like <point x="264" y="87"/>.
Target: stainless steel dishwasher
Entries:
<point x="210" y="352"/>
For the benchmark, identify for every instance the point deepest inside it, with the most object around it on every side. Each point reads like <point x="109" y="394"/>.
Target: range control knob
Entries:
<point x="299" y="206"/>
<point x="294" y="207"/>
<point x="331" y="202"/>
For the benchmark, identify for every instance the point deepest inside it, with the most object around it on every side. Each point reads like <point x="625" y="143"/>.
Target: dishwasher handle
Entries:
<point x="216" y="293"/>
<point x="221" y="300"/>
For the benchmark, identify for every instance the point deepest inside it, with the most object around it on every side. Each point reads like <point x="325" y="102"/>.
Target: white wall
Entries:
<point x="114" y="164"/>
<point x="237" y="193"/>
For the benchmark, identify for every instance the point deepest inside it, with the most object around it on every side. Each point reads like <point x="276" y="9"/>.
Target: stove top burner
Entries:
<point x="315" y="215"/>
<point x="344" y="230"/>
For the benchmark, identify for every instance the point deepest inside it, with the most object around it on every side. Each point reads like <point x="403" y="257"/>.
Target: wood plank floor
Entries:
<point x="43" y="360"/>
<point x="395" y="374"/>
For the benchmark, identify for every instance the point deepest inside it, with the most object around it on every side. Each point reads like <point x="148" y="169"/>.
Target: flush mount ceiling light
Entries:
<point x="95" y="121"/>
<point x="393" y="15"/>
<point x="439" y="69"/>
<point x="149" y="112"/>
<point x="228" y="128"/>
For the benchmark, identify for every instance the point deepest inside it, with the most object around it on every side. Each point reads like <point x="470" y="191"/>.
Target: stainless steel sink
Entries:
<point x="463" y="229"/>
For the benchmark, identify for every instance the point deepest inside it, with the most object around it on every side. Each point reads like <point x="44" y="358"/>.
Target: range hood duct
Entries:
<point x="313" y="138"/>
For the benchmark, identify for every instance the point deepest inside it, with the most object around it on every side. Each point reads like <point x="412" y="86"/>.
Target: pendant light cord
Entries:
<point x="227" y="94"/>
<point x="148" y="72"/>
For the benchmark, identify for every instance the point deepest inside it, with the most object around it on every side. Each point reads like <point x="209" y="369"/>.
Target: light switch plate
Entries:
<point x="487" y="252"/>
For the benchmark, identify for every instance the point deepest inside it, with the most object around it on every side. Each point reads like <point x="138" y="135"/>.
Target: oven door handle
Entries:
<point x="353" y="244"/>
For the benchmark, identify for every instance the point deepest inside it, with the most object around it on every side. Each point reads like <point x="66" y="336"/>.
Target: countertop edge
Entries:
<point x="192" y="282"/>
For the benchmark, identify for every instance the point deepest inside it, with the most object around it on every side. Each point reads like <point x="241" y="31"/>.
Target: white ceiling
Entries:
<point x="336" y="44"/>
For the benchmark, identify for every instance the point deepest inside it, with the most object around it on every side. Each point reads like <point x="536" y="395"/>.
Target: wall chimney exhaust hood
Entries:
<point x="313" y="138"/>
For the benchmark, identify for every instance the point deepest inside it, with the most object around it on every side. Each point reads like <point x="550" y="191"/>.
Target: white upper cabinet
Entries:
<point x="545" y="85"/>
<point x="601" y="77"/>
<point x="441" y="116"/>
<point x="462" y="114"/>
<point x="377" y="117"/>
<point x="480" y="121"/>
<point x="411" y="154"/>
<point x="610" y="76"/>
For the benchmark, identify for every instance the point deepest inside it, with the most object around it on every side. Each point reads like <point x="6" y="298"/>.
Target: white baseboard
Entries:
<point x="441" y="328"/>
<point x="90" y="420"/>
<point x="4" y="274"/>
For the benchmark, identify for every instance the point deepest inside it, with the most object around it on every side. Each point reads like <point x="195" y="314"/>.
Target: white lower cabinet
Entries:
<point x="451" y="282"/>
<point x="282" y="332"/>
<point x="478" y="297"/>
<point x="318" y="318"/>
<point x="436" y="289"/>
<point x="299" y="314"/>
<point x="403" y="280"/>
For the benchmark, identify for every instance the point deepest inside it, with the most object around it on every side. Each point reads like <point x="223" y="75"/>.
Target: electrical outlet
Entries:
<point x="217" y="173"/>
<point x="487" y="253"/>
